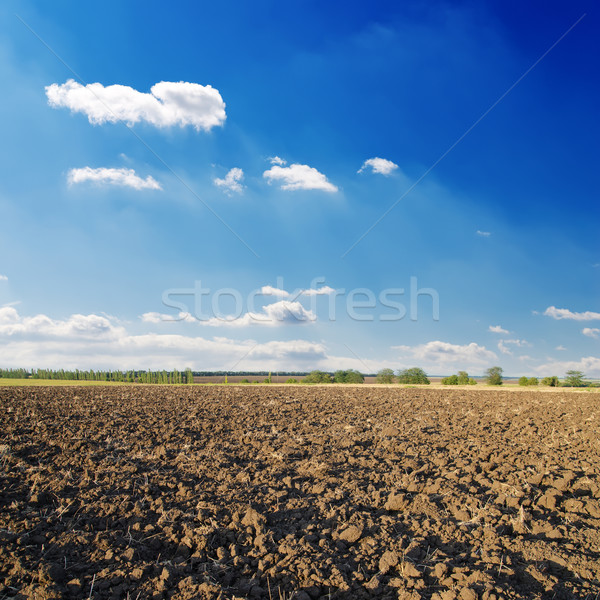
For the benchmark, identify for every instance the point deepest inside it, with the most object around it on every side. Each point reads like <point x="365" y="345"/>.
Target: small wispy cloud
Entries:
<point x="565" y="313"/>
<point x="276" y="160"/>
<point x="497" y="329"/>
<point x="378" y="165"/>
<point x="299" y="177"/>
<point x="504" y="345"/>
<point x="156" y="317"/>
<point x="322" y="291"/>
<point x="232" y="182"/>
<point x="3" y="278"/>
<point x="483" y="233"/>
<point x="269" y="290"/>
<point x="560" y="348"/>
<point x="109" y="176"/>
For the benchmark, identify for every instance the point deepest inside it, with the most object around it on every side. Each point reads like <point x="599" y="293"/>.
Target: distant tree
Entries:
<point x="317" y="377"/>
<point x="350" y="376"/>
<point x="463" y="378"/>
<point x="414" y="376"/>
<point x="533" y="381"/>
<point x="472" y="381"/>
<point x="189" y="376"/>
<point x="292" y="380"/>
<point x="385" y="376"/>
<point x="244" y="381"/>
<point x="574" y="379"/>
<point x="523" y="380"/>
<point x="551" y="381"/>
<point x="493" y="376"/>
<point x="452" y="380"/>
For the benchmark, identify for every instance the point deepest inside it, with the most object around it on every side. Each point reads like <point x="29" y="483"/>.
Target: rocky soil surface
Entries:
<point x="298" y="492"/>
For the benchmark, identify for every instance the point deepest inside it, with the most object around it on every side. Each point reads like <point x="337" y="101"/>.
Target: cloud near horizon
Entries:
<point x="169" y="103"/>
<point x="299" y="177"/>
<point x="108" y="176"/>
<point x="97" y="342"/>
<point x="444" y="355"/>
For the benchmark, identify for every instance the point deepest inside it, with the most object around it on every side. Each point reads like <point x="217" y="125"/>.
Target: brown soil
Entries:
<point x="307" y="492"/>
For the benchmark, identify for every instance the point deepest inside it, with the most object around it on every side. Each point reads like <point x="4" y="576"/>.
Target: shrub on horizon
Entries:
<point x="385" y="376"/>
<point x="414" y="375"/>
<point x="494" y="376"/>
<point x="349" y="376"/>
<point x="317" y="377"/>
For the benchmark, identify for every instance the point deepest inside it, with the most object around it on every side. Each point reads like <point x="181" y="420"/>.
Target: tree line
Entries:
<point x="157" y="377"/>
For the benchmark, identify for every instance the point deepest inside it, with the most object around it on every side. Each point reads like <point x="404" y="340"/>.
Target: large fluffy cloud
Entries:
<point x="108" y="176"/>
<point x="168" y="103"/>
<point x="565" y="313"/>
<point x="88" y="327"/>
<point x="379" y="165"/>
<point x="299" y="177"/>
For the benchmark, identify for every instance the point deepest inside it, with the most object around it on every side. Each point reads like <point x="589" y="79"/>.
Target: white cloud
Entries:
<point x="103" y="175"/>
<point x="444" y="356"/>
<point x="275" y="160"/>
<point x="89" y="327"/>
<point x="232" y="181"/>
<point x="592" y="332"/>
<point x="92" y="341"/>
<point x="378" y="165"/>
<point x="299" y="177"/>
<point x="503" y="345"/>
<point x="155" y="317"/>
<point x="497" y="329"/>
<point x="483" y="233"/>
<point x="168" y="103"/>
<point x="322" y="291"/>
<point x="565" y="313"/>
<point x="3" y="278"/>
<point x="561" y="348"/>
<point x="269" y="290"/>
<point x="278" y="313"/>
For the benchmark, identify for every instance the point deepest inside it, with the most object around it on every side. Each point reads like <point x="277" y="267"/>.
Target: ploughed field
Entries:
<point x="298" y="492"/>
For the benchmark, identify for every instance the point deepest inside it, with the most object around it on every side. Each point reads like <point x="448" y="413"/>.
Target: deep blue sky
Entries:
<point x="503" y="228"/>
